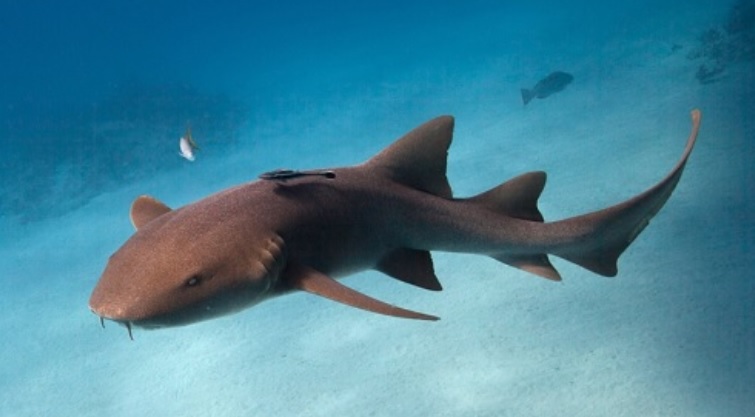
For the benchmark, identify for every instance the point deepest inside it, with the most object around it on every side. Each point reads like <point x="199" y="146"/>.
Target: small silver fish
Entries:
<point x="187" y="146"/>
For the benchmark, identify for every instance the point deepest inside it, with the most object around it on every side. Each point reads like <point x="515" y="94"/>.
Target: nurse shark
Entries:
<point x="300" y="230"/>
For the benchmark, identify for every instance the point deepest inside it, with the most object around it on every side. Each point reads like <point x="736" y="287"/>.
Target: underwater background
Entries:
<point x="95" y="95"/>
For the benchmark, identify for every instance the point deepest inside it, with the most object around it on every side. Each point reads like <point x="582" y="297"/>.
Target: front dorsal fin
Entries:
<point x="307" y="279"/>
<point x="145" y="209"/>
<point x="411" y="266"/>
<point x="418" y="159"/>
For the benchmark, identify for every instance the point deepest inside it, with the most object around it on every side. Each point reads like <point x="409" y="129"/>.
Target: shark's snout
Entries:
<point x="117" y="315"/>
<point x="107" y="312"/>
<point x="102" y="305"/>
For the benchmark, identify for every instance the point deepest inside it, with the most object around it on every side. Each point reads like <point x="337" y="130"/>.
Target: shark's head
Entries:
<point x="180" y="268"/>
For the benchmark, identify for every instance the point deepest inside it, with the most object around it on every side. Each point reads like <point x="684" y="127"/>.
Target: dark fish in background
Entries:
<point x="553" y="83"/>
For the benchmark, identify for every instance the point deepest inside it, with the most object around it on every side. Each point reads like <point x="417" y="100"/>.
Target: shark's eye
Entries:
<point x="193" y="281"/>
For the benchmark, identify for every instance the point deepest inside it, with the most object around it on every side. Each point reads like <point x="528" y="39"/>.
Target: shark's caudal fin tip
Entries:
<point x="696" y="115"/>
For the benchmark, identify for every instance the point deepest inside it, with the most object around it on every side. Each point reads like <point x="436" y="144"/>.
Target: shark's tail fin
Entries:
<point x="593" y="241"/>
<point x="596" y="240"/>
<point x="527" y="95"/>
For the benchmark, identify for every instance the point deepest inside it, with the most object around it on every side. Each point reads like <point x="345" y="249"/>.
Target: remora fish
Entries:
<point x="269" y="237"/>
<point x="553" y="83"/>
<point x="187" y="146"/>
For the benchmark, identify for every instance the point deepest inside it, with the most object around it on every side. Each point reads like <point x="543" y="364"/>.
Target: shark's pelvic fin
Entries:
<point x="418" y="159"/>
<point x="308" y="279"/>
<point x="411" y="266"/>
<point x="145" y="209"/>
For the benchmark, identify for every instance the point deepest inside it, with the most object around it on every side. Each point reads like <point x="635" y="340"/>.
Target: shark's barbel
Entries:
<point x="258" y="240"/>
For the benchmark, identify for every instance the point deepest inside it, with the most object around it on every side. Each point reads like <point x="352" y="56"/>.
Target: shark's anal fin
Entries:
<point x="411" y="266"/>
<point x="312" y="281"/>
<point x="538" y="264"/>
<point x="145" y="209"/>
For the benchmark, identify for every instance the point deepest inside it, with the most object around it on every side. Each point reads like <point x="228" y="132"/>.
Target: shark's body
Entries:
<point x="302" y="230"/>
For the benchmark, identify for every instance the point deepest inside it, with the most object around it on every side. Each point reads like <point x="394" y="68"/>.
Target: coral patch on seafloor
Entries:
<point x="729" y="43"/>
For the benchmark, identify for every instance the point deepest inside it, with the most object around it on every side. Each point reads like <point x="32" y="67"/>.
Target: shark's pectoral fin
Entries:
<point x="312" y="281"/>
<point x="411" y="266"/>
<point x="145" y="209"/>
<point x="534" y="264"/>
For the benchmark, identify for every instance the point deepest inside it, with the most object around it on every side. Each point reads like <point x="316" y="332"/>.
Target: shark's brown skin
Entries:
<point x="248" y="243"/>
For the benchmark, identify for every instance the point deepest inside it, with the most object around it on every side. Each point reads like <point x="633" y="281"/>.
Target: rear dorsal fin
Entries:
<point x="145" y="209"/>
<point x="516" y="197"/>
<point x="418" y="159"/>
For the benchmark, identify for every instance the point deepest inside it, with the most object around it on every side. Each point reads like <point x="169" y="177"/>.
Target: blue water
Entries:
<point x="93" y="99"/>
